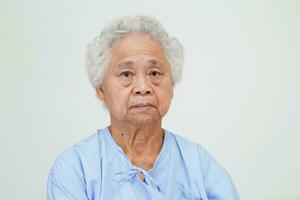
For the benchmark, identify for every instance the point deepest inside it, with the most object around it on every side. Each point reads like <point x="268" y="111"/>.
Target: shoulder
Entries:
<point x="67" y="178"/>
<point x="200" y="161"/>
<point x="77" y="156"/>
<point x="191" y="148"/>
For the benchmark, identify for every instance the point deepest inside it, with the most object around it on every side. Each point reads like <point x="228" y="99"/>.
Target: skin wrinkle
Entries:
<point x="148" y="81"/>
<point x="130" y="64"/>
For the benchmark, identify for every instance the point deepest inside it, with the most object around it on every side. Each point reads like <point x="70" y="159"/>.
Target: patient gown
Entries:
<point x="96" y="168"/>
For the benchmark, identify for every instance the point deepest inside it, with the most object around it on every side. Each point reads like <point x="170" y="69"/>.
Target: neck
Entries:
<point x="139" y="139"/>
<point x="141" y="143"/>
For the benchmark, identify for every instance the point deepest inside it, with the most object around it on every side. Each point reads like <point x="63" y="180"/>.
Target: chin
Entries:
<point x="143" y="120"/>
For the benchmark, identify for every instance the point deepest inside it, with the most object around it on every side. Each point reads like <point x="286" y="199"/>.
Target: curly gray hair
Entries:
<point x="98" y="50"/>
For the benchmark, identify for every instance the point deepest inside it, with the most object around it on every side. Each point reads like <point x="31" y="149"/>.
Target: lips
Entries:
<point x="142" y="105"/>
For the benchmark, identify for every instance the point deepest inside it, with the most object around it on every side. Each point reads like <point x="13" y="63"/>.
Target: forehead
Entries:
<point x="137" y="46"/>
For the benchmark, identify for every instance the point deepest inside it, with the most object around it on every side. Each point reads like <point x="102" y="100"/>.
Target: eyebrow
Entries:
<point x="131" y="64"/>
<point x="155" y="62"/>
<point x="125" y="64"/>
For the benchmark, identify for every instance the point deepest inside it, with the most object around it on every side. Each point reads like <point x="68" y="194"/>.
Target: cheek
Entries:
<point x="119" y="101"/>
<point x="165" y="98"/>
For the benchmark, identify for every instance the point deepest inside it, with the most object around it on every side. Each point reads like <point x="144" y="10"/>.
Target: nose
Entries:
<point x="142" y="86"/>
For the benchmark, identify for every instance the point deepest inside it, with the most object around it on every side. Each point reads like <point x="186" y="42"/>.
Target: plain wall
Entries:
<point x="239" y="95"/>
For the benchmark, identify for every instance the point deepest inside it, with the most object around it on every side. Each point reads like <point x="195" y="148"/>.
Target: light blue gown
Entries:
<point x="97" y="169"/>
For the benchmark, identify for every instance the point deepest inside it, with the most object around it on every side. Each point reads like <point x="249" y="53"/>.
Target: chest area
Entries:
<point x="168" y="180"/>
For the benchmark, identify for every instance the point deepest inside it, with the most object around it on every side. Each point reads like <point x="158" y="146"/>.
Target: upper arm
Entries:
<point x="66" y="179"/>
<point x="63" y="189"/>
<point x="218" y="183"/>
<point x="223" y="189"/>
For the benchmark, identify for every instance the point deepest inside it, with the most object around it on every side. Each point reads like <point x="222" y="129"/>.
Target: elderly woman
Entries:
<point x="133" y="66"/>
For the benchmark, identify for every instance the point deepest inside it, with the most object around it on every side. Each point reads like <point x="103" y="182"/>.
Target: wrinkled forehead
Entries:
<point x="140" y="64"/>
<point x="135" y="46"/>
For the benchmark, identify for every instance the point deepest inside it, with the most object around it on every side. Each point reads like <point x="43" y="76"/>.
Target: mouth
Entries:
<point x="142" y="105"/>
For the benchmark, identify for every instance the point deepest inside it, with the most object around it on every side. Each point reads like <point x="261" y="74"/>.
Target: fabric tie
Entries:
<point x="149" y="183"/>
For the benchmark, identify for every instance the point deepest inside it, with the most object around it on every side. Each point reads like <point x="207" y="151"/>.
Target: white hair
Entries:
<point x="98" y="50"/>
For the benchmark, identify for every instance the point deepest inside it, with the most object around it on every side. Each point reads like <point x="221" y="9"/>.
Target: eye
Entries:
<point x="155" y="73"/>
<point x="126" y="74"/>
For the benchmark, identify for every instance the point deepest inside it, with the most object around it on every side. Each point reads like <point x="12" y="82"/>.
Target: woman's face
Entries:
<point x="137" y="86"/>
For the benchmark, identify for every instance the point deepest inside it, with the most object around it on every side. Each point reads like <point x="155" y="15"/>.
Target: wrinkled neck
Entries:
<point x="141" y="144"/>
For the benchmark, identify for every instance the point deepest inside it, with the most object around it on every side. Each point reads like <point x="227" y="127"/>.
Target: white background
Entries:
<point x="239" y="96"/>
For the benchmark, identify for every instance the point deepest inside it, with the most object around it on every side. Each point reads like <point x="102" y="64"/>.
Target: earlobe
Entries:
<point x="100" y="93"/>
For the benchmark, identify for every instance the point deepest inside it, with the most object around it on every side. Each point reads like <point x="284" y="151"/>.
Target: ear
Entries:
<point x="100" y="93"/>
